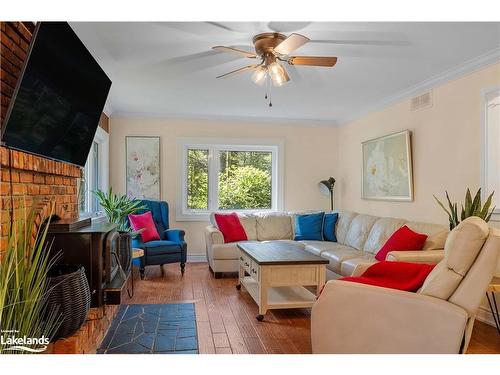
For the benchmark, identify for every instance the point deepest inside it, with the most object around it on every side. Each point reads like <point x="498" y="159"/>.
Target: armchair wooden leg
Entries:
<point x="141" y="272"/>
<point x="183" y="265"/>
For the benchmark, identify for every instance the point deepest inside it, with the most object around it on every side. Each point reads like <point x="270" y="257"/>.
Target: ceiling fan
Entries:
<point x="273" y="50"/>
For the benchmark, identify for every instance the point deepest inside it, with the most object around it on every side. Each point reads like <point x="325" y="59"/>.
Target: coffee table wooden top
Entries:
<point x="277" y="253"/>
<point x="494" y="285"/>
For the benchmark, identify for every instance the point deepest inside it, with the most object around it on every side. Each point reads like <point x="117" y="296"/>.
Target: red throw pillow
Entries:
<point x="231" y="228"/>
<point x="402" y="239"/>
<point x="144" y="221"/>
<point x="395" y="275"/>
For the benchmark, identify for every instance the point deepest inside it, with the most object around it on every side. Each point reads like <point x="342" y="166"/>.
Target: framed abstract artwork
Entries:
<point x="387" y="168"/>
<point x="143" y="167"/>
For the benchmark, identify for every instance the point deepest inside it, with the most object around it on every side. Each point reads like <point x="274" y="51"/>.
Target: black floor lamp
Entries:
<point x="326" y="187"/>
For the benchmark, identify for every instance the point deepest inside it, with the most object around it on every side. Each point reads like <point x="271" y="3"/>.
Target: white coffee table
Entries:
<point x="276" y="275"/>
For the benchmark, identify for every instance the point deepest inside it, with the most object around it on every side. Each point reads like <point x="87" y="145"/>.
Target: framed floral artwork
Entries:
<point x="143" y="167"/>
<point x="387" y="168"/>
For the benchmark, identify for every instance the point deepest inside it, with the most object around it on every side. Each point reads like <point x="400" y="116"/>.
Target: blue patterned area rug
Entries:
<point x="152" y="329"/>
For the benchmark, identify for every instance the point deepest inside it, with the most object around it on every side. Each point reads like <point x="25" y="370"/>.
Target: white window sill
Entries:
<point x="96" y="217"/>
<point x="205" y="216"/>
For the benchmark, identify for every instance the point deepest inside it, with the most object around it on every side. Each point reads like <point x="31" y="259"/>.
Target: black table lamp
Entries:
<point x="326" y="187"/>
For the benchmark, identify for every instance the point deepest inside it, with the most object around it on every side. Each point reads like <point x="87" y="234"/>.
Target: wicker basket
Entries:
<point x="69" y="293"/>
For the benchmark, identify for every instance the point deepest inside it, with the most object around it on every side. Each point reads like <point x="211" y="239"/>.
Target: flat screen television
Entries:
<point x="59" y="97"/>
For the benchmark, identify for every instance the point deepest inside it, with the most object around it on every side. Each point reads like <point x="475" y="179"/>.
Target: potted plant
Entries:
<point x="471" y="207"/>
<point x="24" y="290"/>
<point x="117" y="208"/>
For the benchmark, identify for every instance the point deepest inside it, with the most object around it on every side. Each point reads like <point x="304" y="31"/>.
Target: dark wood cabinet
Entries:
<point x="96" y="248"/>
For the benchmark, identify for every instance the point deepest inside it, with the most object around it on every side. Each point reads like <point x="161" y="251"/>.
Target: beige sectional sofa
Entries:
<point x="359" y="238"/>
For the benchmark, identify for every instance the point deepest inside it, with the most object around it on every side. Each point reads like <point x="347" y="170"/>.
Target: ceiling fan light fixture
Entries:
<point x="259" y="76"/>
<point x="278" y="74"/>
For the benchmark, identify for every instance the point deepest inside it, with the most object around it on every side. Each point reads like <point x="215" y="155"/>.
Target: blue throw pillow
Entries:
<point x="329" y="227"/>
<point x="309" y="227"/>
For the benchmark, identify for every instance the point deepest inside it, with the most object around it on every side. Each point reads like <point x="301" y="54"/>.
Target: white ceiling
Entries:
<point x="169" y="69"/>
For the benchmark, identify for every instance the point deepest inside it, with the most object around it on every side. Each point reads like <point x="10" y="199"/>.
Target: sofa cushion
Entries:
<point x="339" y="254"/>
<point x="382" y="229"/>
<point x="343" y="222"/>
<point x="358" y="231"/>
<point x="309" y="227"/>
<point x="250" y="225"/>
<point x="404" y="239"/>
<point x="227" y="250"/>
<point x="460" y="251"/>
<point x="349" y="265"/>
<point x="436" y="234"/>
<point x="317" y="247"/>
<point x="274" y="227"/>
<point x="231" y="228"/>
<point x="162" y="247"/>
<point x="329" y="225"/>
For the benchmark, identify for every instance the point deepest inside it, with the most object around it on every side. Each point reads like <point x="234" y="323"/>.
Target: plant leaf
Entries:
<point x="442" y="206"/>
<point x="491" y="213"/>
<point x="486" y="207"/>
<point x="476" y="204"/>
<point x="468" y="204"/>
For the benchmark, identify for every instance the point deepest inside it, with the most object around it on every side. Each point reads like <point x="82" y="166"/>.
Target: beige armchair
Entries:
<point x="357" y="318"/>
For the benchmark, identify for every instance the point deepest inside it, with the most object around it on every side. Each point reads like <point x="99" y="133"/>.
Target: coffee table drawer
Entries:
<point x="245" y="262"/>
<point x="254" y="271"/>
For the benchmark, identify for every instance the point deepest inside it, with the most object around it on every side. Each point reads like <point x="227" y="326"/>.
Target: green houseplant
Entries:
<point x="471" y="207"/>
<point x="117" y="208"/>
<point x="24" y="267"/>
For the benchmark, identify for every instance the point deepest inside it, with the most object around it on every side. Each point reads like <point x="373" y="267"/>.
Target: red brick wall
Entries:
<point x="32" y="179"/>
<point x="38" y="181"/>
<point x="35" y="180"/>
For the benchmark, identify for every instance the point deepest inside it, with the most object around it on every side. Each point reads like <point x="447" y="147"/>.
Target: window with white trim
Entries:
<point x="228" y="176"/>
<point x="491" y="167"/>
<point x="95" y="174"/>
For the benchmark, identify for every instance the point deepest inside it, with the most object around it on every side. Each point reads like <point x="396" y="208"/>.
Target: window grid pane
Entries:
<point x="244" y="180"/>
<point x="197" y="179"/>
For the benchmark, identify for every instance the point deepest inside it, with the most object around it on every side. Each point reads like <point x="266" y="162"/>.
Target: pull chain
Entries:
<point x="267" y="84"/>
<point x="268" y="90"/>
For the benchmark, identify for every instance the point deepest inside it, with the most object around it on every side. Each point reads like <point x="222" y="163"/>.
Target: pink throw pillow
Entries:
<point x="144" y="221"/>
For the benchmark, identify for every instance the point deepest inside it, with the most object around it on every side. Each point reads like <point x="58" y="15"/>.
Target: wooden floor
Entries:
<point x="226" y="317"/>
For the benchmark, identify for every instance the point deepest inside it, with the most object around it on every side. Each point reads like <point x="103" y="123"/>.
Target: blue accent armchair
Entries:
<point x="171" y="248"/>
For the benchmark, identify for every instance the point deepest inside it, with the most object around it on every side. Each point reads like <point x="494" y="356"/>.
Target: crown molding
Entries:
<point x="244" y="120"/>
<point x="456" y="72"/>
<point x="107" y="109"/>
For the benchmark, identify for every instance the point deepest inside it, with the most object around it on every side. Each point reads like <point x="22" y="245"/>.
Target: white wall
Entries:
<point x="446" y="142"/>
<point x="309" y="150"/>
<point x="447" y="151"/>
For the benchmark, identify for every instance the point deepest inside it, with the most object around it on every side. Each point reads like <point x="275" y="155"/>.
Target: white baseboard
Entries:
<point x="197" y="258"/>
<point x="484" y="315"/>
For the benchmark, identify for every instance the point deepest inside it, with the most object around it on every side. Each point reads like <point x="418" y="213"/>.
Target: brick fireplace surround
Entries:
<point x="37" y="181"/>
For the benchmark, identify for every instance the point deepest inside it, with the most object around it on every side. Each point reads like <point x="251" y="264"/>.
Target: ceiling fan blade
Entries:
<point x="312" y="60"/>
<point x="286" y="27"/>
<point x="290" y="44"/>
<point x="240" y="70"/>
<point x="236" y="51"/>
<point x="363" y="42"/>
